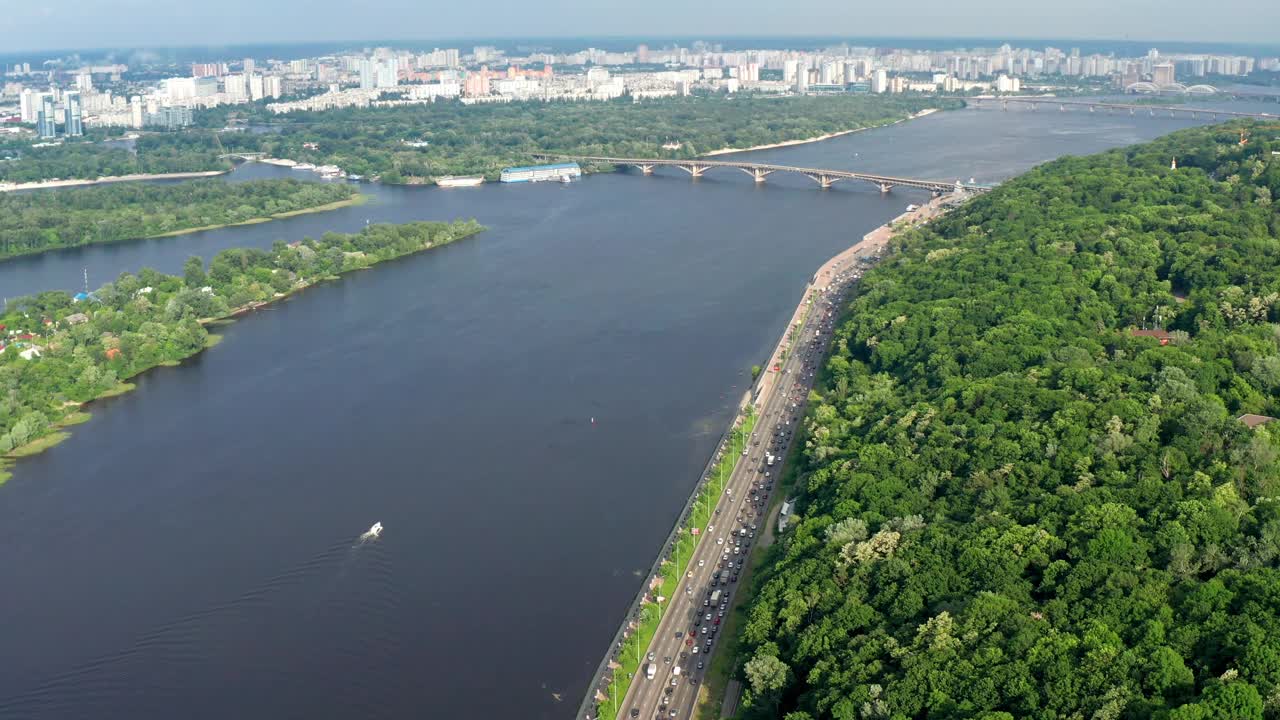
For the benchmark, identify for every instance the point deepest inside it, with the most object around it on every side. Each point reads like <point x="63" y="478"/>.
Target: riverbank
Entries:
<point x="358" y="199"/>
<point x="820" y="138"/>
<point x="723" y="663"/>
<point x="404" y="240"/>
<point x="50" y="184"/>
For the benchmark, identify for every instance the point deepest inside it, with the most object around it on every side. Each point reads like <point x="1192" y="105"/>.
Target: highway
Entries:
<point x="781" y="405"/>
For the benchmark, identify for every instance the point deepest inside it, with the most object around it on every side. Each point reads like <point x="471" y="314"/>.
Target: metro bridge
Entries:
<point x="759" y="171"/>
<point x="1133" y="109"/>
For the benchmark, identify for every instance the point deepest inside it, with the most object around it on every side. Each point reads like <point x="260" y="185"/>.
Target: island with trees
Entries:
<point x="34" y="222"/>
<point x="59" y="351"/>
<point x="1040" y="477"/>
<point x="150" y="154"/>
<point x="415" y="143"/>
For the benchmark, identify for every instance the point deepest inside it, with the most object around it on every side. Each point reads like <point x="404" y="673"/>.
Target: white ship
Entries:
<point x="452" y="181"/>
<point x="304" y="166"/>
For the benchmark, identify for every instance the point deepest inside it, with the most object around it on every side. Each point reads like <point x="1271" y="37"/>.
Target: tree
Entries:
<point x="193" y="273"/>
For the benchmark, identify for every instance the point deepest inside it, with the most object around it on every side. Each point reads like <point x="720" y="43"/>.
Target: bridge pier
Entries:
<point x="757" y="174"/>
<point x="885" y="187"/>
<point x="645" y="169"/>
<point x="695" y="170"/>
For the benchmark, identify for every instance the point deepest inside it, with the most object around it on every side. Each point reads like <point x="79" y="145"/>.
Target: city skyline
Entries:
<point x="63" y="24"/>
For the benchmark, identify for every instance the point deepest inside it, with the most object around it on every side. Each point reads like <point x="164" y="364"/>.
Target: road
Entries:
<point x="781" y="404"/>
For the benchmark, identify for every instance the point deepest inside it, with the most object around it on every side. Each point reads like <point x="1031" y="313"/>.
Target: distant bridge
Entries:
<point x="246" y="156"/>
<point x="1132" y="109"/>
<point x="759" y="171"/>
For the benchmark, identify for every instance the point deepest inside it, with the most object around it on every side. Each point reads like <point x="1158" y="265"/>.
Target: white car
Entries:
<point x="719" y="541"/>
<point x="701" y="563"/>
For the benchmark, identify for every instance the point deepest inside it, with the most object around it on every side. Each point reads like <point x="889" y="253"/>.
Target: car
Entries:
<point x="717" y="621"/>
<point x="635" y="712"/>
<point x="684" y="656"/>
<point x="679" y="633"/>
<point x="708" y="617"/>
<point x="699" y="664"/>
<point x="651" y="657"/>
<point x="674" y="681"/>
<point x="668" y="691"/>
<point x="704" y="631"/>
<point x="719" y="541"/>
<point x="666" y="660"/>
<point x="733" y="578"/>
<point x="695" y="650"/>
<point x="689" y="642"/>
<point x="701" y="563"/>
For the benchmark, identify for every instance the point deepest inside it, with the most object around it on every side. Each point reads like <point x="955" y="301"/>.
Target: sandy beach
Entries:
<point x="46" y="184"/>
<point x="820" y="138"/>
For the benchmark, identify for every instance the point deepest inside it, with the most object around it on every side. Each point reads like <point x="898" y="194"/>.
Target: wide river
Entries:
<point x="192" y="550"/>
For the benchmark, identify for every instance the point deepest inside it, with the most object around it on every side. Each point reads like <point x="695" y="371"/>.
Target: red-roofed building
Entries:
<point x="1162" y="335"/>
<point x="1252" y="421"/>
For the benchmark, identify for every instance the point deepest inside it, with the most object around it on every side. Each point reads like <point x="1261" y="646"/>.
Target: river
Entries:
<point x="192" y="550"/>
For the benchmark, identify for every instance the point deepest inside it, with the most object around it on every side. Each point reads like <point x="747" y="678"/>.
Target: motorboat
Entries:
<point x="373" y="533"/>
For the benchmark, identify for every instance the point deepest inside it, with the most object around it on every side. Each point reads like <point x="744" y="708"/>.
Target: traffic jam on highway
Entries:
<point x="709" y="602"/>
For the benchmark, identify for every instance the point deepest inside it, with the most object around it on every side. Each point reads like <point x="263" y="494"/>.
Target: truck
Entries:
<point x="715" y="598"/>
<point x="651" y="671"/>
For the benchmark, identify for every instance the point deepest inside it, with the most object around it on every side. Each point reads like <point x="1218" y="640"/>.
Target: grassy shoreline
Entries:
<point x="55" y="434"/>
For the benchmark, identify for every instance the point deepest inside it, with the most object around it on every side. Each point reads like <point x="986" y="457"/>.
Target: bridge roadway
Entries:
<point x="759" y="171"/>
<point x="1133" y="109"/>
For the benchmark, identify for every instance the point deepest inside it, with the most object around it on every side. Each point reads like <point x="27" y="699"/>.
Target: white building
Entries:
<point x="879" y="81"/>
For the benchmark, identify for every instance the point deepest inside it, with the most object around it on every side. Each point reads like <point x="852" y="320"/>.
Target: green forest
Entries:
<point x="485" y="138"/>
<point x="57" y="351"/>
<point x="1009" y="504"/>
<point x="477" y="139"/>
<point x="160" y="153"/>
<point x="37" y="221"/>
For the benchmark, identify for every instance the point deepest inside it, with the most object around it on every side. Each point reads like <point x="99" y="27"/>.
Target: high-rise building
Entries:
<point x="28" y="105"/>
<point x="272" y="86"/>
<point x="802" y="79"/>
<point x="789" y="70"/>
<point x="135" y="112"/>
<point x="879" y="81"/>
<point x="84" y="82"/>
<point x="1162" y="74"/>
<point x="73" y="119"/>
<point x="642" y="53"/>
<point x="256" y="91"/>
<point x="235" y="88"/>
<point x="46" y="121"/>
<point x="387" y="73"/>
<point x="249" y="66"/>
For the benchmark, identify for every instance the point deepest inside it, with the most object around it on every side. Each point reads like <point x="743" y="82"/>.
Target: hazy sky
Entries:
<point x="74" y="24"/>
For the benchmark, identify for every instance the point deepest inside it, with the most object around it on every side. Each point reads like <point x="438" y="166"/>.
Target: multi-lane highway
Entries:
<point x="691" y="622"/>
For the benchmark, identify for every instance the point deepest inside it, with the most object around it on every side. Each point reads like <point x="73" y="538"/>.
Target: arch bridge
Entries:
<point x="696" y="167"/>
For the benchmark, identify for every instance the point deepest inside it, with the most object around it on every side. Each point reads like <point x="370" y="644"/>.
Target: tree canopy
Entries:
<point x="37" y="221"/>
<point x="1010" y="504"/>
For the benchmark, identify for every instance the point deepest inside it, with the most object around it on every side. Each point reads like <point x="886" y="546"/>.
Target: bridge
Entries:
<point x="246" y="156"/>
<point x="1132" y="109"/>
<point x="759" y="171"/>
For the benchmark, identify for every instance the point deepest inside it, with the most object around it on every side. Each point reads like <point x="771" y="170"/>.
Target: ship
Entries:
<point x="304" y="166"/>
<point x="451" y="181"/>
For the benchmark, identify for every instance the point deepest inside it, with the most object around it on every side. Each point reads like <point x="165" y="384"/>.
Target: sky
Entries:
<point x="87" y="24"/>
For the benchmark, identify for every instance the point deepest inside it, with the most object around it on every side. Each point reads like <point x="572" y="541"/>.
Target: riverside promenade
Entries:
<point x="778" y="398"/>
<point x="871" y="245"/>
